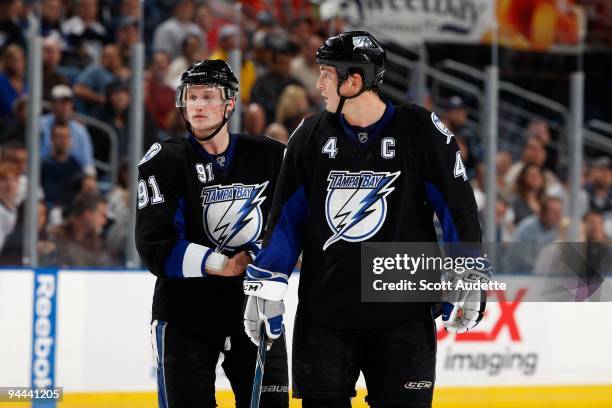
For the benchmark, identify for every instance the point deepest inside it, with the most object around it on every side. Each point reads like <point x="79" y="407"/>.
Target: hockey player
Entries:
<point x="362" y="170"/>
<point x="202" y="204"/>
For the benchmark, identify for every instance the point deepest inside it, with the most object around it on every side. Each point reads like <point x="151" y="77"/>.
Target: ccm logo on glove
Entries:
<point x="252" y="286"/>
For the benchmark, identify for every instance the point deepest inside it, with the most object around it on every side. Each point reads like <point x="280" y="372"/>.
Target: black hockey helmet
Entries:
<point x="354" y="50"/>
<point x="207" y="72"/>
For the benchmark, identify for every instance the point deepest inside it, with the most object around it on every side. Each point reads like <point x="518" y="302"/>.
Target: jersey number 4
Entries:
<point x="330" y="148"/>
<point x="143" y="193"/>
<point x="459" y="170"/>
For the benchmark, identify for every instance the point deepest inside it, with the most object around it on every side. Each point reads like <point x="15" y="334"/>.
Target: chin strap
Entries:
<point x="213" y="134"/>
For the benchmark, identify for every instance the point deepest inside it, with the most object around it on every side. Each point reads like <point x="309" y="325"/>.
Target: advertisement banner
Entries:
<point x="537" y="25"/>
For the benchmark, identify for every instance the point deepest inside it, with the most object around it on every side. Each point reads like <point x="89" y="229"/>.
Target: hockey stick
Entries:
<point x="259" y="367"/>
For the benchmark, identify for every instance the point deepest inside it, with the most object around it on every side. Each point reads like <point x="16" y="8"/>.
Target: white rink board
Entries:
<point x="103" y="341"/>
<point x="16" y="309"/>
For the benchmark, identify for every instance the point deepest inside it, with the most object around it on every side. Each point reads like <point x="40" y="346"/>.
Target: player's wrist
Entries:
<point x="214" y="263"/>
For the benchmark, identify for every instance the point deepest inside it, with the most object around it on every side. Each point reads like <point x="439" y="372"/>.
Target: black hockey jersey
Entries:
<point x="341" y="185"/>
<point x="189" y="200"/>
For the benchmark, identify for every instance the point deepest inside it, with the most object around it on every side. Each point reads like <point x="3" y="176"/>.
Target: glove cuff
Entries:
<point x="268" y="290"/>
<point x="265" y="284"/>
<point x="476" y="276"/>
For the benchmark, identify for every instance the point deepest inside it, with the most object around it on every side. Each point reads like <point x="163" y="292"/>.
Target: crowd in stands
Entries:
<point x="86" y="74"/>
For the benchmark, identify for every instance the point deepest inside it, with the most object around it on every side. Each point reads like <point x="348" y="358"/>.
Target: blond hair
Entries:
<point x="288" y="103"/>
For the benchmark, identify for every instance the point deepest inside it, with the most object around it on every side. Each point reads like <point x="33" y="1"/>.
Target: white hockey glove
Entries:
<point x="463" y="309"/>
<point x="265" y="291"/>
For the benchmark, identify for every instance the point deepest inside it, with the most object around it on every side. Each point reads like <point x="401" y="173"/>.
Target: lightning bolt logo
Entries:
<point x="231" y="222"/>
<point x="352" y="213"/>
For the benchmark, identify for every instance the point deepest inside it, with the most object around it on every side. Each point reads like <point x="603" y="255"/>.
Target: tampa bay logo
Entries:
<point x="356" y="204"/>
<point x="232" y="214"/>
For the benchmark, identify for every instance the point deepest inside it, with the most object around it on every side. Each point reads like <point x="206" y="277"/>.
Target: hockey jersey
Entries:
<point x="341" y="185"/>
<point x="189" y="199"/>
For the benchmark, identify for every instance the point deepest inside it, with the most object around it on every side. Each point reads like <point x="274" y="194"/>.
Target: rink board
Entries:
<point x="521" y="353"/>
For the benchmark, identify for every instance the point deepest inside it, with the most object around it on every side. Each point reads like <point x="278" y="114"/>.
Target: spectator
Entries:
<point x="52" y="55"/>
<point x="540" y="130"/>
<point x="254" y="119"/>
<point x="268" y="88"/>
<point x="534" y="232"/>
<point x="10" y="11"/>
<point x="60" y="166"/>
<point x="530" y="190"/>
<point x="265" y="21"/>
<point x="534" y="153"/>
<point x="300" y="31"/>
<point x="594" y="227"/>
<point x="84" y="34"/>
<point x="76" y="185"/>
<point x="9" y="184"/>
<point x="12" y="80"/>
<point x="15" y="152"/>
<point x="90" y="86"/>
<point x="599" y="190"/>
<point x="159" y="97"/>
<point x="116" y="114"/>
<point x="118" y="214"/>
<point x="278" y="132"/>
<point x="467" y="156"/>
<point x="455" y="118"/>
<point x="503" y="162"/>
<point x="598" y="257"/>
<point x="169" y="35"/>
<point x="62" y="111"/>
<point x="304" y="67"/>
<point x="292" y="107"/>
<point x="51" y="12"/>
<point x="129" y="9"/>
<point x="478" y="186"/>
<point x="503" y="224"/>
<point x="191" y="51"/>
<point x="78" y="239"/>
<point x="16" y="130"/>
<point x="227" y="41"/>
<point x="12" y="253"/>
<point x="208" y="24"/>
<point x="126" y="35"/>
<point x="260" y="52"/>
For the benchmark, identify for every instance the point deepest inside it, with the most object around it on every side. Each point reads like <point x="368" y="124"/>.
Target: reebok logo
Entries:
<point x="418" y="385"/>
<point x="44" y="328"/>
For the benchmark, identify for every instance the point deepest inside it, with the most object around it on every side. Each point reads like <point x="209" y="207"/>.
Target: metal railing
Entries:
<point x="513" y="116"/>
<point x="112" y="166"/>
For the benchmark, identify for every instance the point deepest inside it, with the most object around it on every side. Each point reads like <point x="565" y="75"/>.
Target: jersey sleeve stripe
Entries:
<point x="174" y="262"/>
<point x="204" y="259"/>
<point x="185" y="259"/>
<point x="192" y="261"/>
<point x="449" y="230"/>
<point x="281" y="251"/>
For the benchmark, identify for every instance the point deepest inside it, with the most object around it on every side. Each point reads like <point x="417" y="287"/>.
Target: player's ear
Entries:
<point x="355" y="80"/>
<point x="231" y="104"/>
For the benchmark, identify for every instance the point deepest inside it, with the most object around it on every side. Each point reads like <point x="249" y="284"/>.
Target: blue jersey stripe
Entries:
<point x="204" y="259"/>
<point x="285" y="244"/>
<point x="449" y="230"/>
<point x="174" y="262"/>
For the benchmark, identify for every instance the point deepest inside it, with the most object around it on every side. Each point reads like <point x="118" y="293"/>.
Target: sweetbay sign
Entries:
<point x="539" y="25"/>
<point x="409" y="22"/>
